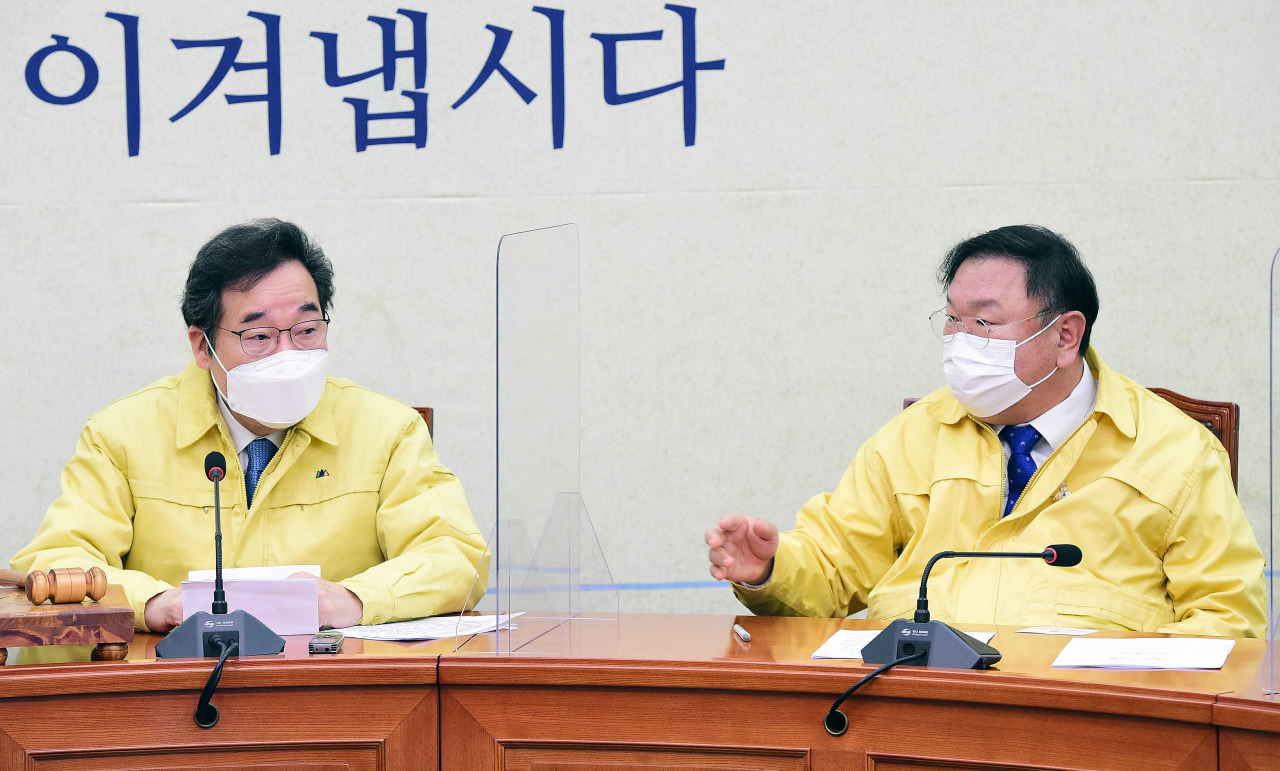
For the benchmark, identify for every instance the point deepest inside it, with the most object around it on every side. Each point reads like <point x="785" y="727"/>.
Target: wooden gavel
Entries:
<point x="62" y="585"/>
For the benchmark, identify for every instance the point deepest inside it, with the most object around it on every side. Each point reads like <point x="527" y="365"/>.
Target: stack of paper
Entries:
<point x="286" y="605"/>
<point x="1146" y="653"/>
<point x="435" y="628"/>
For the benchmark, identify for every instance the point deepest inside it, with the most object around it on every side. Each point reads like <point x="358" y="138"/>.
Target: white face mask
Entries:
<point x="277" y="391"/>
<point x="984" y="379"/>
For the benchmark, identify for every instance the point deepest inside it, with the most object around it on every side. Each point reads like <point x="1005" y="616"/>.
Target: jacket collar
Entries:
<point x="198" y="412"/>
<point x="1112" y="401"/>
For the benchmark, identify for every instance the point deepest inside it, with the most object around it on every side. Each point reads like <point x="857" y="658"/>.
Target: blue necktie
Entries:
<point x="1021" y="466"/>
<point x="261" y="451"/>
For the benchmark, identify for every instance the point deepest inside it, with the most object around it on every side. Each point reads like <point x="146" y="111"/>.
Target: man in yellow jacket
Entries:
<point x="320" y="470"/>
<point x="1035" y="441"/>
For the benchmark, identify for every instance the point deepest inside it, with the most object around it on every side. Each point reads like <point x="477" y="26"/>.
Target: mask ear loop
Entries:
<point x="1046" y="377"/>
<point x="224" y="370"/>
<point x="1033" y="337"/>
<point x="1015" y="345"/>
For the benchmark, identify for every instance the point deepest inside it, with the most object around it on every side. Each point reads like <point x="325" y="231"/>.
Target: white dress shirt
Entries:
<point x="1057" y="425"/>
<point x="241" y="436"/>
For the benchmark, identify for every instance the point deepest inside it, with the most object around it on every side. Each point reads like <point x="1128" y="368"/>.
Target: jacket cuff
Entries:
<point x="379" y="605"/>
<point x="782" y="592"/>
<point x="138" y="596"/>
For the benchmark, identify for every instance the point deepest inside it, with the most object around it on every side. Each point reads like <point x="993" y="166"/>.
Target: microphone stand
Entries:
<point x="219" y="633"/>
<point x="219" y="596"/>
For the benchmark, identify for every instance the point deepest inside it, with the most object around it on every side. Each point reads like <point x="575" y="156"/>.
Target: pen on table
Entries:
<point x="742" y="634"/>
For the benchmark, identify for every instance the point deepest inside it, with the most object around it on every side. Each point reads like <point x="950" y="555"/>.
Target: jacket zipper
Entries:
<point x="1035" y="475"/>
<point x="226" y="442"/>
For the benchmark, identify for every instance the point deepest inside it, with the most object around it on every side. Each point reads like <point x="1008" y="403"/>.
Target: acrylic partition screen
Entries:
<point x="1269" y="671"/>
<point x="546" y="560"/>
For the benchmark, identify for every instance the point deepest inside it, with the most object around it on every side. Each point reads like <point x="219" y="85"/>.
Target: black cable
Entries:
<point x="835" y="721"/>
<point x="206" y="715"/>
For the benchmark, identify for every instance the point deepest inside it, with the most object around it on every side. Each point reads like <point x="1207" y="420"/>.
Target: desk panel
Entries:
<point x="1248" y="733"/>
<point x="508" y="728"/>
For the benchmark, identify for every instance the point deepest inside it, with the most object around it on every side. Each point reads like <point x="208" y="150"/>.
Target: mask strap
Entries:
<point x="224" y="369"/>
<point x="1033" y="337"/>
<point x="1037" y="334"/>
<point x="1046" y="377"/>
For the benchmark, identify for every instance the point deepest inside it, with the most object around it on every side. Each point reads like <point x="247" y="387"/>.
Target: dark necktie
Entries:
<point x="1021" y="466"/>
<point x="261" y="451"/>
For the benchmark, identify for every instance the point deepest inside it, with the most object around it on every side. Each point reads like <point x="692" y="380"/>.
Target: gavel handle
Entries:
<point x="35" y="585"/>
<point x="12" y="578"/>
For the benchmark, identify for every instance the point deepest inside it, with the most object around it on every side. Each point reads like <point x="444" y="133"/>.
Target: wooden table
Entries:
<point x="645" y="690"/>
<point x="682" y="691"/>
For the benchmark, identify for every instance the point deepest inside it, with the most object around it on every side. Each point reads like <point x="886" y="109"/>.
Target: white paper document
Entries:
<point x="1060" y="630"/>
<point x="265" y="573"/>
<point x="286" y="606"/>
<point x="847" y="643"/>
<point x="434" y="628"/>
<point x="1146" y="653"/>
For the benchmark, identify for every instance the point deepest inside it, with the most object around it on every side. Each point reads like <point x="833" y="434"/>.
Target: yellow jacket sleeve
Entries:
<point x="426" y="530"/>
<point x="1212" y="564"/>
<point x="843" y="542"/>
<point x="91" y="522"/>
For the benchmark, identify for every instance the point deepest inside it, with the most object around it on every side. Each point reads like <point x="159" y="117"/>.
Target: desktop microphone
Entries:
<point x="922" y="642"/>
<point x="211" y="634"/>
<point x="945" y="646"/>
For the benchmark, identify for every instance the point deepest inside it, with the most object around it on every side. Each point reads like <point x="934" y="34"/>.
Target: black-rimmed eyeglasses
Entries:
<point x="259" y="341"/>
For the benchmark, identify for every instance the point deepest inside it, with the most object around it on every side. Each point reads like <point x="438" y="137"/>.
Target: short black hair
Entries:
<point x="1055" y="275"/>
<point x="241" y="256"/>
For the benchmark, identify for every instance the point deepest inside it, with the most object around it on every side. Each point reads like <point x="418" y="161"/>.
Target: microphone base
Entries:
<point x="948" y="647"/>
<point x="193" y="638"/>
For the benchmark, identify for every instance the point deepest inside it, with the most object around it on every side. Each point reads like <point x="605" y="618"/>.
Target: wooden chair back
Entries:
<point x="1221" y="418"/>
<point x="428" y="415"/>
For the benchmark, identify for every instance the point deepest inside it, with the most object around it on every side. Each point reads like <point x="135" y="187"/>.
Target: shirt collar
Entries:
<point x="241" y="436"/>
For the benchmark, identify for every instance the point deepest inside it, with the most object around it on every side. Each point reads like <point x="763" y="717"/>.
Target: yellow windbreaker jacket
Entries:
<point x="1142" y="489"/>
<point x="356" y="487"/>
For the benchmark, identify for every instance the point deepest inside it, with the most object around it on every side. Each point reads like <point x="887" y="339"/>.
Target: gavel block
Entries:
<point x="108" y="623"/>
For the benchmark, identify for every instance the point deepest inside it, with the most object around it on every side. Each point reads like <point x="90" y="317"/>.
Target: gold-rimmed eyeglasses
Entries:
<point x="945" y="325"/>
